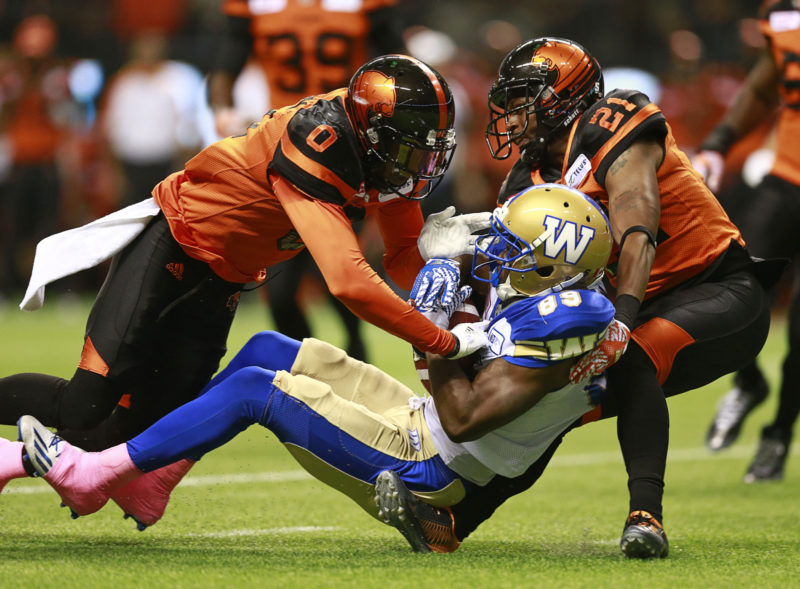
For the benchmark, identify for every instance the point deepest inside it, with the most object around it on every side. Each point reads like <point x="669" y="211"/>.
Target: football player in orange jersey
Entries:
<point x="303" y="47"/>
<point x="690" y="306"/>
<point x="158" y="327"/>
<point x="770" y="226"/>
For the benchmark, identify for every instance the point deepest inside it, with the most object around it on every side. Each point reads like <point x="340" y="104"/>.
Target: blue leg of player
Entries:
<point x="250" y="395"/>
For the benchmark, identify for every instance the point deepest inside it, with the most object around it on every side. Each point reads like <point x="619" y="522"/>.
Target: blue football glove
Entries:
<point x="440" y="314"/>
<point x="436" y="284"/>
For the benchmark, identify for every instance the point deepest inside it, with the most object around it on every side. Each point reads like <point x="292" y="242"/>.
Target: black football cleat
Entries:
<point x="427" y="528"/>
<point x="770" y="458"/>
<point x="643" y="537"/>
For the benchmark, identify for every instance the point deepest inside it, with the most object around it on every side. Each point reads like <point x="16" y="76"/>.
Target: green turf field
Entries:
<point x="247" y="516"/>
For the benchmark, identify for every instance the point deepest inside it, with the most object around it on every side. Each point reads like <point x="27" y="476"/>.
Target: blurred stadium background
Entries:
<point x="59" y="61"/>
<point x="100" y="99"/>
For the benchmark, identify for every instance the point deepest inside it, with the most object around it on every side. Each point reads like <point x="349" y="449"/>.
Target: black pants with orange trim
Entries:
<point x="683" y="340"/>
<point x="155" y="335"/>
<point x="769" y="226"/>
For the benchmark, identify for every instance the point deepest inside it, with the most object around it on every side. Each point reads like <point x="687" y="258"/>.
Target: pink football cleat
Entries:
<point x="145" y="499"/>
<point x="83" y="480"/>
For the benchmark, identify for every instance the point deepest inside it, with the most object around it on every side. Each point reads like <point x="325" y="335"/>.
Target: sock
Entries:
<point x="642" y="428"/>
<point x="11" y="461"/>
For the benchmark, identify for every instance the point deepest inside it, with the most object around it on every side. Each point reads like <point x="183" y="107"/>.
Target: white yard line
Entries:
<point x="264" y="532"/>
<point x="562" y="461"/>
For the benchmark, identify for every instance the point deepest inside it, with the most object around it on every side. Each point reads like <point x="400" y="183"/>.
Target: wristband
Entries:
<point x="638" y="229"/>
<point x="721" y="139"/>
<point x="626" y="307"/>
<point x="454" y="352"/>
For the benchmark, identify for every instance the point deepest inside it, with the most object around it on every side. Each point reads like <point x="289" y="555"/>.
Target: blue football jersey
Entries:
<point x="542" y="331"/>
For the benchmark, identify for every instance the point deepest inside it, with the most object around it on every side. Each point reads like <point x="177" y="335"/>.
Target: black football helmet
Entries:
<point x="403" y="113"/>
<point x="557" y="79"/>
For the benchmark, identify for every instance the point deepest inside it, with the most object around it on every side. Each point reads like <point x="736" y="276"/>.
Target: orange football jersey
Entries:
<point x="307" y="47"/>
<point x="780" y="23"/>
<point x="293" y="181"/>
<point x="693" y="229"/>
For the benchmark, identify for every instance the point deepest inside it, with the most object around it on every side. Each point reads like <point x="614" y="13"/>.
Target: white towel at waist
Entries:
<point x="71" y="251"/>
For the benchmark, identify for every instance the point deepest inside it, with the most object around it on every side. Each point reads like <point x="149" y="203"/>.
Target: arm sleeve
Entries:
<point x="327" y="234"/>
<point x="400" y="223"/>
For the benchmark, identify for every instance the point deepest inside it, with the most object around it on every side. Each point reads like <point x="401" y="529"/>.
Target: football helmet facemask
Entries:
<point x="403" y="113"/>
<point x="554" y="79"/>
<point x="544" y="239"/>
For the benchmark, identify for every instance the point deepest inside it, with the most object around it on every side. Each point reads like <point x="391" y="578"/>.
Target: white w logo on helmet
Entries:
<point x="563" y="235"/>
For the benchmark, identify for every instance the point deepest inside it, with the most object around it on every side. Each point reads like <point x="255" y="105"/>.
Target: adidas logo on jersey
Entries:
<point x="176" y="269"/>
<point x="413" y="438"/>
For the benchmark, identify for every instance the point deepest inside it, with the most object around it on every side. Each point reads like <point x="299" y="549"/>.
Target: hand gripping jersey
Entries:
<point x="307" y="47"/>
<point x="536" y="332"/>
<point x="693" y="230"/>
<point x="247" y="202"/>
<point x="780" y="23"/>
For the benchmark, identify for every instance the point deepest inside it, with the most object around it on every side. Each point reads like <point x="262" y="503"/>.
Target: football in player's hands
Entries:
<point x="465" y="313"/>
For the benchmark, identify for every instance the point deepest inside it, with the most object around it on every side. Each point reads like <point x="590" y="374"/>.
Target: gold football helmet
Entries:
<point x="544" y="239"/>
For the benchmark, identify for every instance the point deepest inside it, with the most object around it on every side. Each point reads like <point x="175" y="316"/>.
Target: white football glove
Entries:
<point x="470" y="338"/>
<point x="436" y="284"/>
<point x="710" y="165"/>
<point x="446" y="236"/>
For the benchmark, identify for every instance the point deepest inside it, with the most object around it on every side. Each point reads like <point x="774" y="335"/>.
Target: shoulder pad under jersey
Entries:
<point x="611" y="125"/>
<point x="319" y="153"/>
<point x="542" y="331"/>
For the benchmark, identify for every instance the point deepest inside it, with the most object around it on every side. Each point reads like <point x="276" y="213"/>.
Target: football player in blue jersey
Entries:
<point x="366" y="434"/>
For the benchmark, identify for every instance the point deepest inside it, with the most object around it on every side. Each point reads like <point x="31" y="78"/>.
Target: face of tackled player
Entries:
<point x="545" y="239"/>
<point x="403" y="114"/>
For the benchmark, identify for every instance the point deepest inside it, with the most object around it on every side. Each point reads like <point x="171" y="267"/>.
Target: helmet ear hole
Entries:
<point x="544" y="271"/>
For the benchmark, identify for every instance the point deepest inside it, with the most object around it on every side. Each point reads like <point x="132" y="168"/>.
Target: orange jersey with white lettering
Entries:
<point x="693" y="229"/>
<point x="307" y="47"/>
<point x="780" y="23"/>
<point x="294" y="180"/>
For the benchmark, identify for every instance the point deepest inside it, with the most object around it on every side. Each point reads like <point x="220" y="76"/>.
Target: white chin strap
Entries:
<point x="505" y="291"/>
